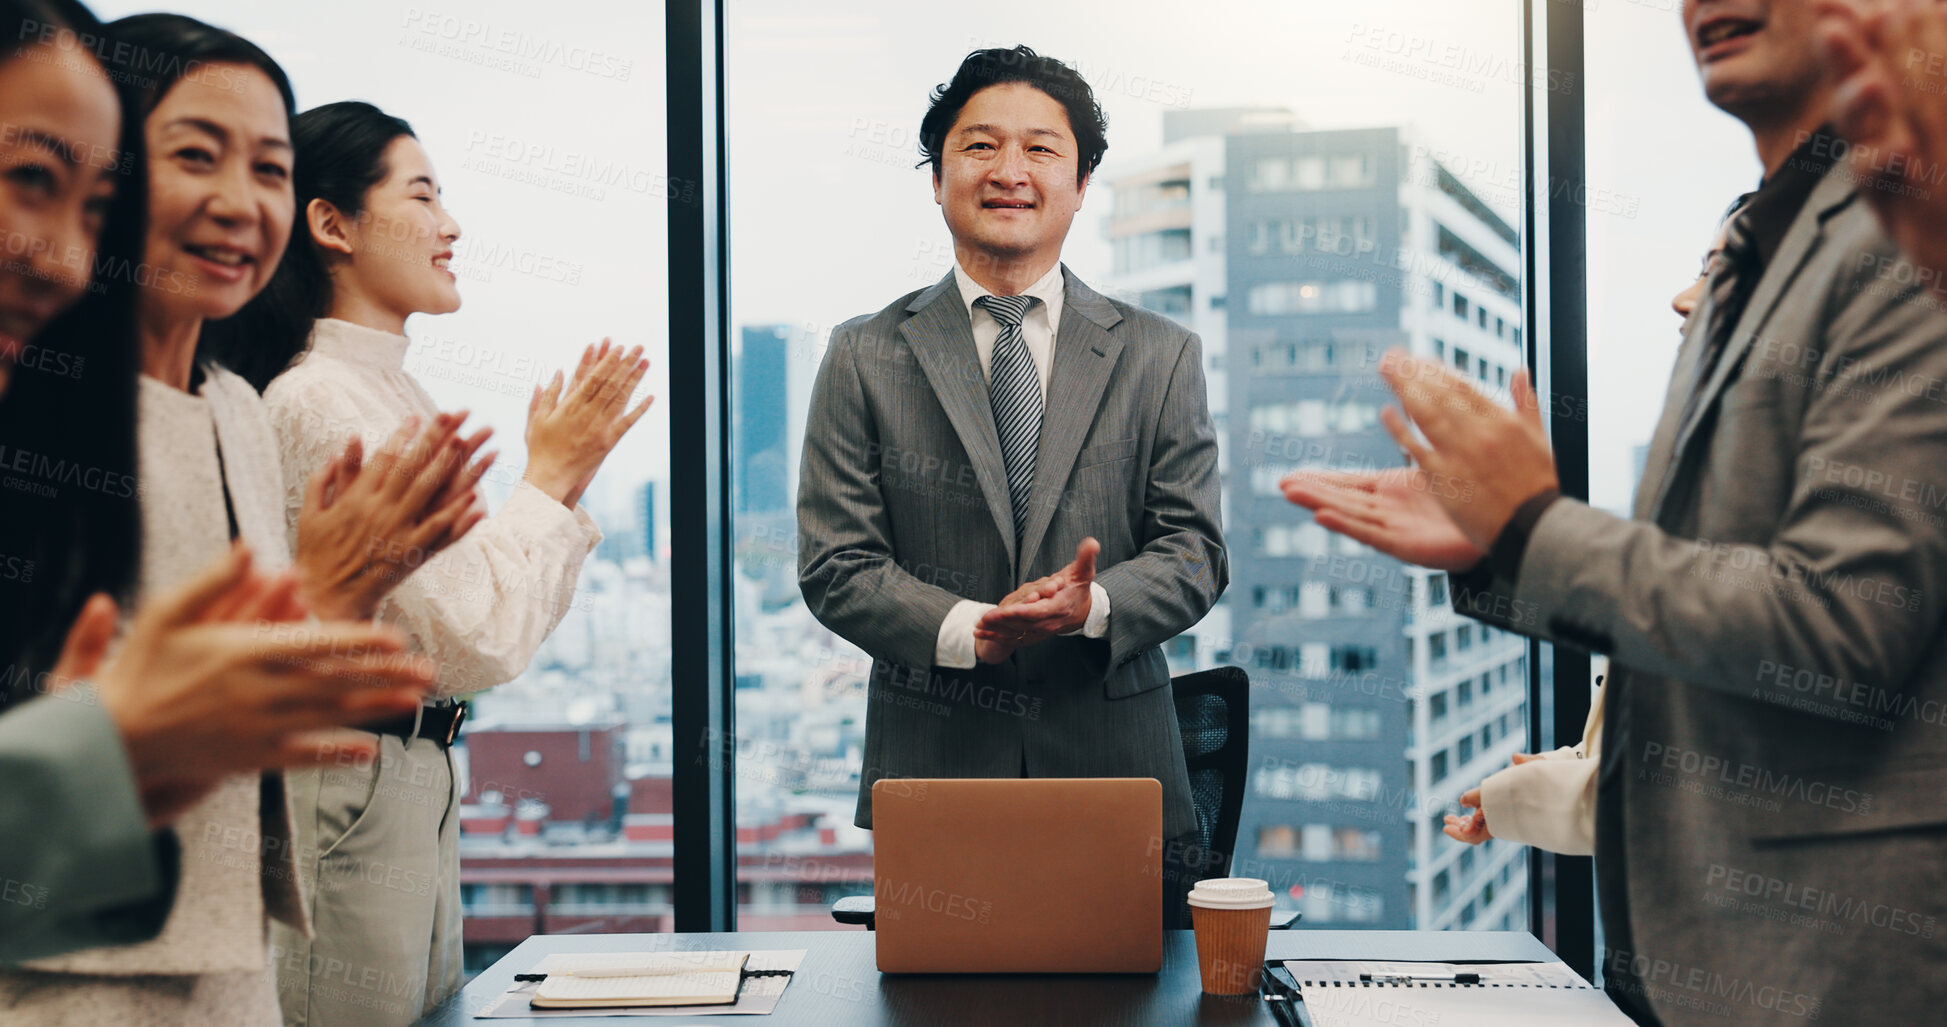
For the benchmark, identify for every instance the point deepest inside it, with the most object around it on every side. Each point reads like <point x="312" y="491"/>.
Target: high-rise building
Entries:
<point x="1299" y="256"/>
<point x="645" y="518"/>
<point x="761" y="412"/>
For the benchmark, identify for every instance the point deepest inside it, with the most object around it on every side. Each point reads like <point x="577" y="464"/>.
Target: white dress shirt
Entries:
<point x="956" y="643"/>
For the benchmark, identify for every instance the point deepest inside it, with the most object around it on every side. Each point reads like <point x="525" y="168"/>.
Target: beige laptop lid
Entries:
<point x="1030" y="875"/>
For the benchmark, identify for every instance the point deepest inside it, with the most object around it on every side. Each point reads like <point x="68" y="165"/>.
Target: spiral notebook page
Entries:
<point x="1509" y="995"/>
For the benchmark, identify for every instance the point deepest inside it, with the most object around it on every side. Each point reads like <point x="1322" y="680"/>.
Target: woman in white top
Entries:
<point x="382" y="841"/>
<point x="214" y="113"/>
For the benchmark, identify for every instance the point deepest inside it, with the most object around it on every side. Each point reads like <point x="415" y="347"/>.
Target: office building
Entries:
<point x="760" y="374"/>
<point x="1299" y="257"/>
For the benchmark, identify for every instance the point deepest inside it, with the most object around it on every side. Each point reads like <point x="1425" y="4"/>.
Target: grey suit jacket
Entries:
<point x="79" y="866"/>
<point x="1771" y="829"/>
<point x="903" y="511"/>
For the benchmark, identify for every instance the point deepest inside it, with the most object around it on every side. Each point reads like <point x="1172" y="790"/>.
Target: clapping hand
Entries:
<point x="215" y="678"/>
<point x="366" y="525"/>
<point x="1393" y="511"/>
<point x="1472" y="828"/>
<point x="1885" y="56"/>
<point x="1039" y="610"/>
<point x="572" y="427"/>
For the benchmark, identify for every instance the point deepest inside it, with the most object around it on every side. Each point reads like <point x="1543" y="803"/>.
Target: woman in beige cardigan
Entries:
<point x="215" y="123"/>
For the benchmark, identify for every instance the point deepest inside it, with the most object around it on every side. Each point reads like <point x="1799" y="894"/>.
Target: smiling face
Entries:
<point x="399" y="246"/>
<point x="220" y="200"/>
<point x="1758" y="58"/>
<point x="1007" y="177"/>
<point x="59" y="122"/>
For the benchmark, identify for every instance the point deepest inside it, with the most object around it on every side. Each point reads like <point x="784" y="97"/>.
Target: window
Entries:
<point x="1314" y="782"/>
<point x="1354" y="658"/>
<point x="1277" y="298"/>
<point x="1308" y="209"/>
<point x="1317" y="722"/>
<point x="1438" y="767"/>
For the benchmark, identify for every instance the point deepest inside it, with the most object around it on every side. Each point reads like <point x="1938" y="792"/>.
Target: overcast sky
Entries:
<point x="545" y="122"/>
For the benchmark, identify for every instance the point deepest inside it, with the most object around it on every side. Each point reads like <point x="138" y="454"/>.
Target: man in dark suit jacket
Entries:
<point x="1769" y="822"/>
<point x="967" y="439"/>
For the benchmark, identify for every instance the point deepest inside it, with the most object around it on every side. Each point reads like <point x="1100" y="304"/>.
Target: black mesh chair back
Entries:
<point x="1213" y="711"/>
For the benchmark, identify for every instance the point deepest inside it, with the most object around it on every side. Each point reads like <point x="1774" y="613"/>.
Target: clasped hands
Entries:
<point x="1478" y="463"/>
<point x="1039" y="610"/>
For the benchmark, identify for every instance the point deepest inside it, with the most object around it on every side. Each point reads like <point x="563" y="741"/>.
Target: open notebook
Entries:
<point x="610" y="979"/>
<point x="1364" y="993"/>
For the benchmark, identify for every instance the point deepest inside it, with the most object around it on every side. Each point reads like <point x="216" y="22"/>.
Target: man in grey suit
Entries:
<point x="968" y="438"/>
<point x="1771" y="836"/>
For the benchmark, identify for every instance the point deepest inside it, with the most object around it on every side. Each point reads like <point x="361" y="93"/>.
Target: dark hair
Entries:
<point x="994" y="67"/>
<point x="71" y="416"/>
<point x="340" y="156"/>
<point x="163" y="49"/>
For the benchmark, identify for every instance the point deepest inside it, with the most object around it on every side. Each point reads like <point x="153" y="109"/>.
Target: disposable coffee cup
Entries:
<point x="1232" y="917"/>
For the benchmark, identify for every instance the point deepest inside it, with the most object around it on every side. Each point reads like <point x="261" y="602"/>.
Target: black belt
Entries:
<point x="439" y="723"/>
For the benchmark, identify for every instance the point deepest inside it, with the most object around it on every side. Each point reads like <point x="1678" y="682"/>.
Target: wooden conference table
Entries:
<point x="838" y="985"/>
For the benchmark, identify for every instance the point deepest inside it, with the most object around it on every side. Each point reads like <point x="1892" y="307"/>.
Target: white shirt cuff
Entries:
<point x="1097" y="624"/>
<point x="955" y="647"/>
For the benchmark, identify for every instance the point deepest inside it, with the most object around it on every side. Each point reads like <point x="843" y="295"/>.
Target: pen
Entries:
<point x="1466" y="978"/>
<point x="1286" y="1001"/>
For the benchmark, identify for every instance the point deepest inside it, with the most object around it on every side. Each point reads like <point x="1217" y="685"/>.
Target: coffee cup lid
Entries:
<point x="1231" y="893"/>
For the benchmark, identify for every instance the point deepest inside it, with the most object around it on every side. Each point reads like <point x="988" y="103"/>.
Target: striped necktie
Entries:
<point x="1014" y="389"/>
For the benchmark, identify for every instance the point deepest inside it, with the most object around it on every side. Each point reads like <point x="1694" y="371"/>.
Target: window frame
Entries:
<point x="1554" y="297"/>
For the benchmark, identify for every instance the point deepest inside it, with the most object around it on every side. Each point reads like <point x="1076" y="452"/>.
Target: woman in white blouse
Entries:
<point x="382" y="841"/>
<point x="214" y="112"/>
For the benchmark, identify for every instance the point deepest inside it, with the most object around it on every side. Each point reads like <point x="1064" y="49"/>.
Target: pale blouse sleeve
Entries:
<point x="1549" y="803"/>
<point x="482" y="607"/>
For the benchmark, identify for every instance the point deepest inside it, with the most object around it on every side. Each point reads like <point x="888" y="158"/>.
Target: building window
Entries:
<point x="1314" y="782"/>
<point x="1354" y="658"/>
<point x="1438" y="766"/>
<point x="1272" y="299"/>
<point x="1463" y="637"/>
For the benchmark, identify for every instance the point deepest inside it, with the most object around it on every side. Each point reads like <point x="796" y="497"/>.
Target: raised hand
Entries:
<point x="1482" y="460"/>
<point x="1471" y="828"/>
<point x="1393" y="511"/>
<point x="1039" y="610"/>
<point x="218" y="677"/>
<point x="366" y="525"/>
<point x="1889" y="104"/>
<point x="572" y="427"/>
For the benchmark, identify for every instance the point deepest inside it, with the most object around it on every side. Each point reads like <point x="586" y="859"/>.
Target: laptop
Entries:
<point x="1018" y="875"/>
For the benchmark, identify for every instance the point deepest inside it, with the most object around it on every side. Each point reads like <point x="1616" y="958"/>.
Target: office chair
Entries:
<point x="1213" y="713"/>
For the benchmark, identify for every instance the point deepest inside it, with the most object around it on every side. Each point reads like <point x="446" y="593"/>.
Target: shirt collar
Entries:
<point x="357" y="344"/>
<point x="1048" y="289"/>
<point x="1782" y="194"/>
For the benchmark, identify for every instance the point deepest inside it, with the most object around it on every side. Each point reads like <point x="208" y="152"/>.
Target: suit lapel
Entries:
<point x="1833" y="192"/>
<point x="941" y="337"/>
<point x="1085" y="354"/>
